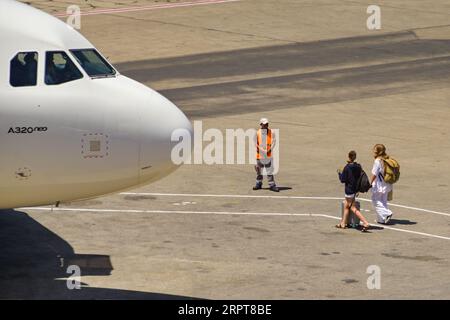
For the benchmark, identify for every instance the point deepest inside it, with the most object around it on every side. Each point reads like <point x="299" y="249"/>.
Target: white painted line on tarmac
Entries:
<point x="413" y="232"/>
<point x="226" y="213"/>
<point x="395" y="229"/>
<point x="169" y="211"/>
<point x="413" y="208"/>
<point x="146" y="8"/>
<point x="226" y="196"/>
<point x="273" y="197"/>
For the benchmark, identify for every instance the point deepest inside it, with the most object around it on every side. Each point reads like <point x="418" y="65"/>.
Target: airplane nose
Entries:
<point x="161" y="120"/>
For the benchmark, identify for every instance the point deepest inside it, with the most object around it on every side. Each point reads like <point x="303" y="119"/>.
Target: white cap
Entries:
<point x="264" y="121"/>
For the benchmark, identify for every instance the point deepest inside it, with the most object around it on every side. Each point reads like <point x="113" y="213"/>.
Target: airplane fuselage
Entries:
<point x="81" y="138"/>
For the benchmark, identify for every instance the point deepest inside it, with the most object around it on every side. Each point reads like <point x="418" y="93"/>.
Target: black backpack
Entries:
<point x="363" y="185"/>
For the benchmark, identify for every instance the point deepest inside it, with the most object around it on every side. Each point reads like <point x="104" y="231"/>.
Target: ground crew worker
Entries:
<point x="265" y="142"/>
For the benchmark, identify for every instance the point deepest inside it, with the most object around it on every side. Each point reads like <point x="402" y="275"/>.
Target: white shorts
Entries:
<point x="351" y="196"/>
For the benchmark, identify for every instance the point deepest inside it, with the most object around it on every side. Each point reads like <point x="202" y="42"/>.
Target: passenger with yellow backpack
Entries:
<point x="385" y="172"/>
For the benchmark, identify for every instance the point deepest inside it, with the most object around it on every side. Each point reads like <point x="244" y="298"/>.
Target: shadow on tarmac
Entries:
<point x="318" y="72"/>
<point x="401" y="222"/>
<point x="34" y="262"/>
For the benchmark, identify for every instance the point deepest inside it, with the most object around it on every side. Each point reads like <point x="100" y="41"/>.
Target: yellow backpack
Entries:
<point x="391" y="170"/>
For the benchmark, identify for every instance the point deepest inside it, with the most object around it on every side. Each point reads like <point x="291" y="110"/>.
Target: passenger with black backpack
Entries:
<point x="356" y="181"/>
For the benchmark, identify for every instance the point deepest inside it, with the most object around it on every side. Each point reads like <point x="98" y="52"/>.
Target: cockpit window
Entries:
<point x="93" y="63"/>
<point x="60" y="69"/>
<point x="23" y="69"/>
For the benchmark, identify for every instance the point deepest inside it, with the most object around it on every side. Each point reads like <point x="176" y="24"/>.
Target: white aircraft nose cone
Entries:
<point x="159" y="120"/>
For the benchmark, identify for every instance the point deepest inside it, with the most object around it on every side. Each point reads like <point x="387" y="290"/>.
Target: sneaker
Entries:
<point x="388" y="218"/>
<point x="258" y="186"/>
<point x="274" y="189"/>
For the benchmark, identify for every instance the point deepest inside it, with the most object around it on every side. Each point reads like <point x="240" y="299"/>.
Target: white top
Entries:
<point x="378" y="171"/>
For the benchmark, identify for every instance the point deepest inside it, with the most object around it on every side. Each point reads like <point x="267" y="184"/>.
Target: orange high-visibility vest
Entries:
<point x="263" y="152"/>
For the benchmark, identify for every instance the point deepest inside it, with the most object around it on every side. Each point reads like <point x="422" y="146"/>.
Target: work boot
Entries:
<point x="257" y="186"/>
<point x="274" y="188"/>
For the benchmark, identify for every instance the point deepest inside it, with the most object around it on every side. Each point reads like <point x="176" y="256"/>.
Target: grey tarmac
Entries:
<point x="330" y="85"/>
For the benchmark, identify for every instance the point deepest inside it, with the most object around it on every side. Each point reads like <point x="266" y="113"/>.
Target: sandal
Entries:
<point x="339" y="226"/>
<point x="365" y="228"/>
